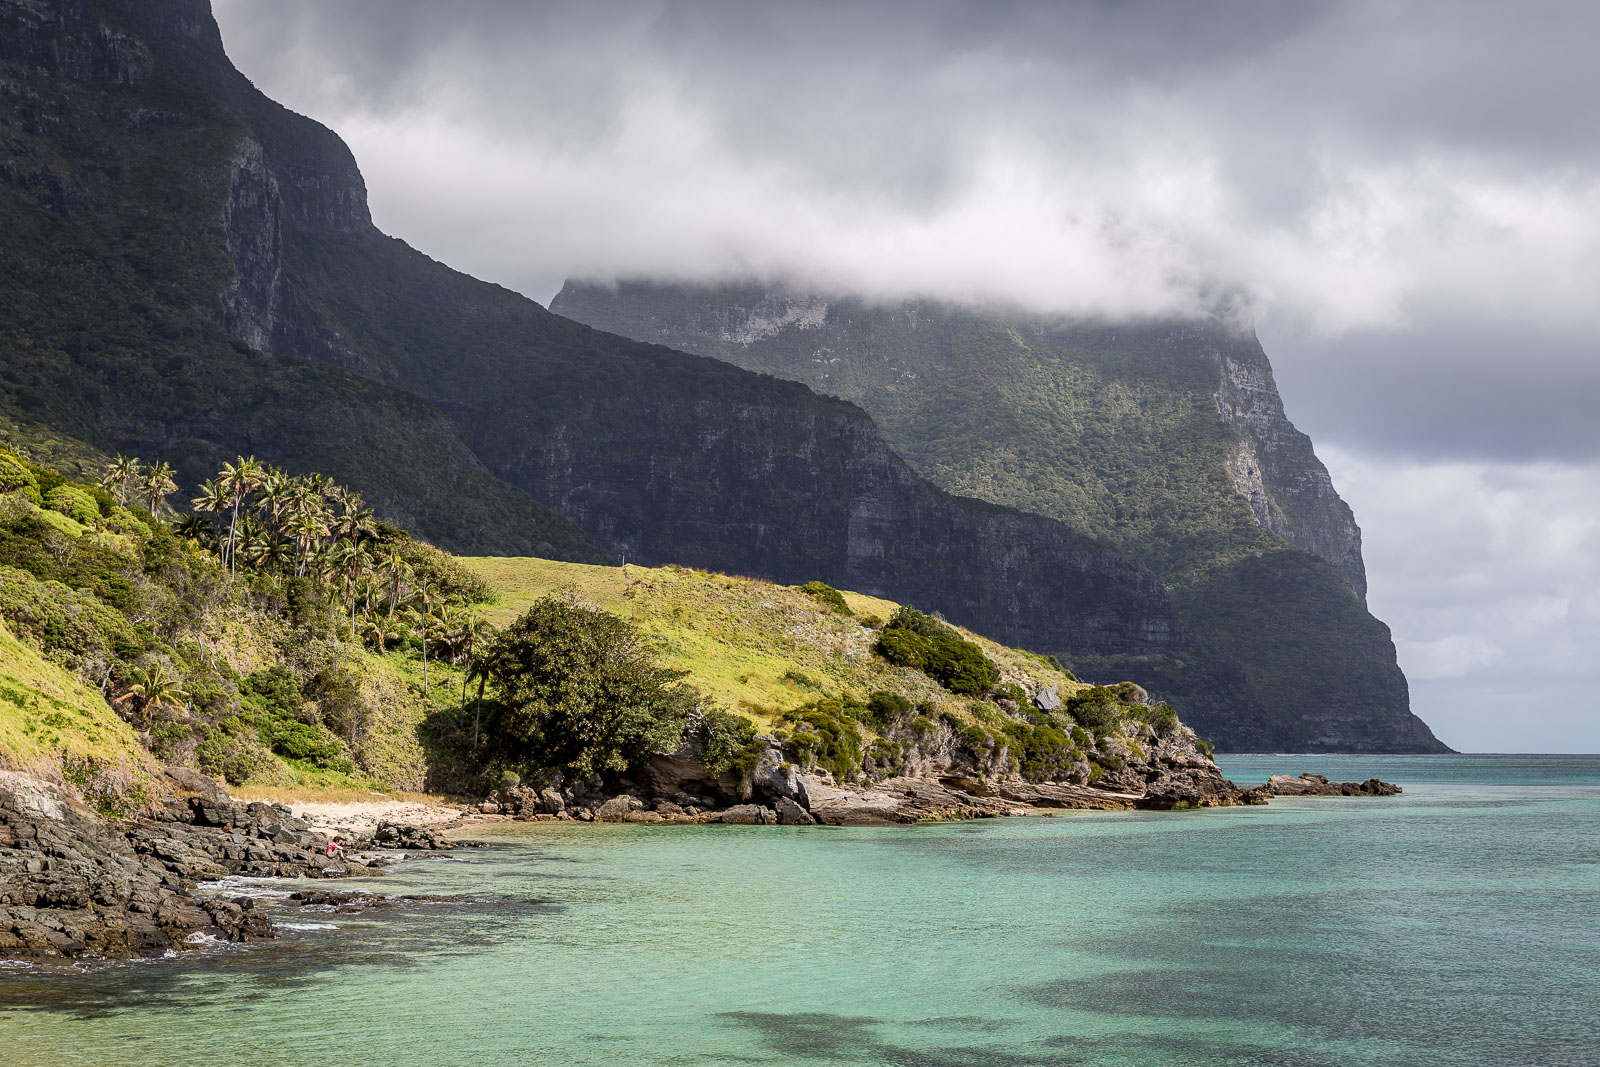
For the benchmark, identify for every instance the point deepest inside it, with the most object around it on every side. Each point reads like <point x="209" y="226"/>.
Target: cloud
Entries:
<point x="1350" y="166"/>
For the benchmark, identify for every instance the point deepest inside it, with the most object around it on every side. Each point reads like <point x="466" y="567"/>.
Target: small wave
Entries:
<point x="259" y="888"/>
<point x="200" y="937"/>
<point x="305" y="926"/>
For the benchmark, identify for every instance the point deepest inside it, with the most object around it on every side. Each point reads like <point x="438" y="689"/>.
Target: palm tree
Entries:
<point x="306" y="527"/>
<point x="394" y="565"/>
<point x="272" y="493"/>
<point x="477" y="670"/>
<point x="214" y="498"/>
<point x="268" y="550"/>
<point x="154" y="688"/>
<point x="350" y="563"/>
<point x="119" y="474"/>
<point x="425" y="622"/>
<point x="156" y="484"/>
<point x="355" y="520"/>
<point x="380" y="630"/>
<point x="193" y="528"/>
<point x="240" y="479"/>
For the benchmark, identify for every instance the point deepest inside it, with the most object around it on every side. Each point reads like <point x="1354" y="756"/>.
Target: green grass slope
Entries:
<point x="755" y="647"/>
<point x="49" y="720"/>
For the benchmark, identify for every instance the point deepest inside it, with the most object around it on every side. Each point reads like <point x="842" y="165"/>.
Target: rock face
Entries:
<point x="1316" y="785"/>
<point x="1167" y="439"/>
<point x="73" y="883"/>
<point x="460" y="409"/>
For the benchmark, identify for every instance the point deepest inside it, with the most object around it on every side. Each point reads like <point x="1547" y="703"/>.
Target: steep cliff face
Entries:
<point x="1167" y="439"/>
<point x="230" y="293"/>
<point x="794" y="491"/>
<point x="1275" y="469"/>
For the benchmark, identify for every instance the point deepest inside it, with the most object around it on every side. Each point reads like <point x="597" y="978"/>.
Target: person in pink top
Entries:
<point x="333" y="845"/>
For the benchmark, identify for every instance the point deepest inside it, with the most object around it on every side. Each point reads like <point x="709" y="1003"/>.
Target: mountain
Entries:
<point x="190" y="270"/>
<point x="1167" y="439"/>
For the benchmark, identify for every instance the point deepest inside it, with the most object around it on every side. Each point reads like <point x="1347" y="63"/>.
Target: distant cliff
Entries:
<point x="191" y="270"/>
<point x="1167" y="439"/>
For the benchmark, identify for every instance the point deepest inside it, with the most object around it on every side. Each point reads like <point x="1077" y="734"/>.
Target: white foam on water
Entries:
<point x="200" y="937"/>
<point x="305" y="926"/>
<point x="256" y="888"/>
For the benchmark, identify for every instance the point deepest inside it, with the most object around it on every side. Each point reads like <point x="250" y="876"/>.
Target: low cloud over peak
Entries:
<point x="1350" y="166"/>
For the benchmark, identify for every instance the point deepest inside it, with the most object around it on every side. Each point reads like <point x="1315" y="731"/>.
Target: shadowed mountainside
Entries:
<point x="230" y="294"/>
<point x="1167" y="439"/>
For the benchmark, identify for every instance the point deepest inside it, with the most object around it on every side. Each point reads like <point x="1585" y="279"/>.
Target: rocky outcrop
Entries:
<point x="410" y="838"/>
<point x="73" y="883"/>
<point x="1317" y="785"/>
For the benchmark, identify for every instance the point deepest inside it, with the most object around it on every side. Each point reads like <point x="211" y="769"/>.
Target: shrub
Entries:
<point x="1161" y="717"/>
<point x="1096" y="710"/>
<point x="578" y="691"/>
<point x="446" y="574"/>
<point x="909" y="618"/>
<point x="1013" y="692"/>
<point x="825" y="734"/>
<point x="801" y="679"/>
<point x="71" y="626"/>
<point x="15" y="477"/>
<point x="887" y="709"/>
<point x="885" y="758"/>
<point x="271" y="700"/>
<point x="828" y="596"/>
<point x="75" y="503"/>
<point x="1043" y="753"/>
<point x="730" y="742"/>
<point x="224" y="750"/>
<point x="960" y="666"/>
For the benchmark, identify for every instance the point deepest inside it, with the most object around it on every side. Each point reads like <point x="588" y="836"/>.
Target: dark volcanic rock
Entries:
<point x="411" y="838"/>
<point x="1317" y="785"/>
<point x="72" y="883"/>
<point x="791" y="813"/>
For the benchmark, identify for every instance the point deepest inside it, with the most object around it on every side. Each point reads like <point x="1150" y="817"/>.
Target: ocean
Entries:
<point x="1454" y="925"/>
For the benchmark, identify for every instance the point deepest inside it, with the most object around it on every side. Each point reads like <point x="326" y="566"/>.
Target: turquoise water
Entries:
<point x="1455" y="925"/>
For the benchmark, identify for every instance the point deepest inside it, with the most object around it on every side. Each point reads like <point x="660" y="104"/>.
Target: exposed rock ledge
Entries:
<point x="1316" y="785"/>
<point x="73" y="883"/>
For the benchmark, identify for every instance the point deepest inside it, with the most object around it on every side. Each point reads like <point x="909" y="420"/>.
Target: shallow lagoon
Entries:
<point x="1453" y="925"/>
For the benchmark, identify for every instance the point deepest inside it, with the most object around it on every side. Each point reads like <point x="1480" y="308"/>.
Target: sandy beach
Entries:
<point x="363" y="816"/>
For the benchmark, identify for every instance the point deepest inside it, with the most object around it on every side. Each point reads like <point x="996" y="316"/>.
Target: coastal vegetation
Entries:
<point x="276" y="632"/>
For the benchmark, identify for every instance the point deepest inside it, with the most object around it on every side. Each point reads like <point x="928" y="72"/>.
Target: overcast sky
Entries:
<point x="1408" y="194"/>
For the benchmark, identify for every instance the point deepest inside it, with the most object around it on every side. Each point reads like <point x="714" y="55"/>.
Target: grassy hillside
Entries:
<point x="753" y="646"/>
<point x="281" y="637"/>
<point x="49" y="718"/>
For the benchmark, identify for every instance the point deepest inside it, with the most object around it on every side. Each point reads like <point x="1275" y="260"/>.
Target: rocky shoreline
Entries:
<point x="75" y="884"/>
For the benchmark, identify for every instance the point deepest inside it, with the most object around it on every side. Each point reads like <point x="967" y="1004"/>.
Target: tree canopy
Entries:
<point x="579" y="692"/>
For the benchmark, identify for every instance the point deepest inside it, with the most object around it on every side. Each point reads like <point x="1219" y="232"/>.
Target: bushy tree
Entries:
<point x="913" y="639"/>
<point x="579" y="692"/>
